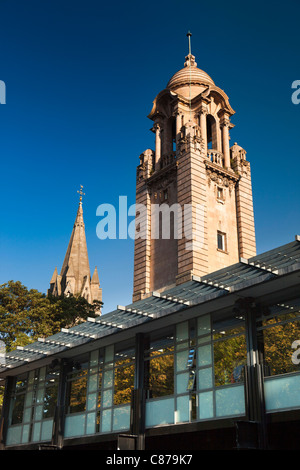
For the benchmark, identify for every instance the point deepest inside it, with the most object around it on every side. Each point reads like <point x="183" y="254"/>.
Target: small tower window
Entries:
<point x="221" y="241"/>
<point x="220" y="194"/>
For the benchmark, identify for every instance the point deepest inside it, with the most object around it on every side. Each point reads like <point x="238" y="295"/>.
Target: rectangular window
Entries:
<point x="221" y="241"/>
<point x="230" y="353"/>
<point x="279" y="338"/>
<point x="123" y="376"/>
<point x="77" y="388"/>
<point x="278" y="334"/>
<point x="50" y="394"/>
<point x="220" y="194"/>
<point x="18" y="400"/>
<point x="160" y="367"/>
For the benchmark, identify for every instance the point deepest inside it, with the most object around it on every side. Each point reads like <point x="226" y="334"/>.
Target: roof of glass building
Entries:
<point x="252" y="271"/>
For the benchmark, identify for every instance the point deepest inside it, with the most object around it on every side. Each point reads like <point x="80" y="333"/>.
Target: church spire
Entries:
<point x="75" y="276"/>
<point x="77" y="254"/>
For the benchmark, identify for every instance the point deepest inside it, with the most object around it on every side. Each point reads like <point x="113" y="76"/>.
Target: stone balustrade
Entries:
<point x="215" y="157"/>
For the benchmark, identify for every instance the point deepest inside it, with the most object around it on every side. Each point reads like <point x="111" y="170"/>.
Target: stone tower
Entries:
<point x="75" y="277"/>
<point x="198" y="181"/>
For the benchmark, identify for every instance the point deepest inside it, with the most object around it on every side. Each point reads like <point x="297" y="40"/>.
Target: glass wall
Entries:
<point x="196" y="372"/>
<point x="99" y="392"/>
<point x="221" y="358"/>
<point x="193" y="371"/>
<point x="278" y="332"/>
<point x="159" y="378"/>
<point x="32" y="406"/>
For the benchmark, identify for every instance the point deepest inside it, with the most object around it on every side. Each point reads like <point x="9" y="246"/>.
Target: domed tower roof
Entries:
<point x="189" y="75"/>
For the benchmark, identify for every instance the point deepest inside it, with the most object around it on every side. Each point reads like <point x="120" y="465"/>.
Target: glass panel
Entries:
<point x="42" y="373"/>
<point x="230" y="401"/>
<point x="230" y="357"/>
<point x="161" y="375"/>
<point x="38" y="413"/>
<point x="182" y="382"/>
<point x="204" y="325"/>
<point x="94" y="358"/>
<point x="106" y="421"/>
<point x="28" y="400"/>
<point x="17" y="409"/>
<point x="93" y="382"/>
<point x="182" y="331"/>
<point x="107" y="398"/>
<point x="90" y="423"/>
<point x="27" y="414"/>
<point x="181" y="360"/>
<point x="40" y="395"/>
<point x="123" y="377"/>
<point x="77" y="392"/>
<point x="183" y="409"/>
<point x="282" y="392"/>
<point x="160" y="412"/>
<point x="205" y="378"/>
<point x="47" y="426"/>
<point x="74" y="425"/>
<point x="14" y="435"/>
<point x="36" y="432"/>
<point x="108" y="378"/>
<point x="25" y="434"/>
<point x="121" y="418"/>
<point x="204" y="355"/>
<point x="280" y="352"/>
<point x="92" y="401"/>
<point x="31" y="377"/>
<point x="206" y="405"/>
<point x="109" y="354"/>
<point x="50" y="400"/>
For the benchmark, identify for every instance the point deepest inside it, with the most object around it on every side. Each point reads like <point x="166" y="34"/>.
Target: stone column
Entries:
<point x="203" y="126"/>
<point x="157" y="146"/>
<point x="225" y="142"/>
<point x="178" y="127"/>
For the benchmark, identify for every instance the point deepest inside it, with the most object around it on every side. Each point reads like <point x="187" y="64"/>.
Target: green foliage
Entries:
<point x="26" y="315"/>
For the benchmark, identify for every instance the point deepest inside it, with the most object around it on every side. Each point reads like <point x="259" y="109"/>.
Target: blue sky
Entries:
<point x="80" y="79"/>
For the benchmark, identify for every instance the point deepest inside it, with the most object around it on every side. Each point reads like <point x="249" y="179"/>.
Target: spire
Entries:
<point x="76" y="259"/>
<point x="75" y="277"/>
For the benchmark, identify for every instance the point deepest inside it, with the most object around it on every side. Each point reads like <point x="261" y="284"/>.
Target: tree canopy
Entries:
<point x="26" y="315"/>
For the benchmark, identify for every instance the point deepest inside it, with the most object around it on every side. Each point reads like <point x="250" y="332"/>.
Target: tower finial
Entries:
<point x="81" y="194"/>
<point x="189" y="34"/>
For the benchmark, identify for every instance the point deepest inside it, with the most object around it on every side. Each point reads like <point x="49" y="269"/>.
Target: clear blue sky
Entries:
<point x="80" y="80"/>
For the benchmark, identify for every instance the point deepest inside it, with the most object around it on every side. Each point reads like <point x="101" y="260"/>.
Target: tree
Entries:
<point x="26" y="315"/>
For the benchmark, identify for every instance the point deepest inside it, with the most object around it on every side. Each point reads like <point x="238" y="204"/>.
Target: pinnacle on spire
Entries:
<point x="54" y="276"/>
<point x="81" y="194"/>
<point x="95" y="277"/>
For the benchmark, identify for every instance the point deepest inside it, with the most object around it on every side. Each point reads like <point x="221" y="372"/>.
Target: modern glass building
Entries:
<point x="209" y="364"/>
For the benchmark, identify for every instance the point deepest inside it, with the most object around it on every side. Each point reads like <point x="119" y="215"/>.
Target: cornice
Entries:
<point x="222" y="171"/>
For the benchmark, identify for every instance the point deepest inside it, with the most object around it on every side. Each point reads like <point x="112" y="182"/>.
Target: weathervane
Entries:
<point x="81" y="194"/>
